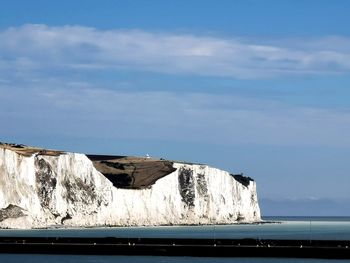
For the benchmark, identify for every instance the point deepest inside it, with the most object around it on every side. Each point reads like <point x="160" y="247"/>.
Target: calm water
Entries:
<point x="337" y="228"/>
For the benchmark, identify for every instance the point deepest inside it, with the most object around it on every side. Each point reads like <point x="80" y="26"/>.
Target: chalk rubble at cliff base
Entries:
<point x="43" y="188"/>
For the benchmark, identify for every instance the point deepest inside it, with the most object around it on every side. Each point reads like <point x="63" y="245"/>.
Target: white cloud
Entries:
<point x="37" y="47"/>
<point x="38" y="98"/>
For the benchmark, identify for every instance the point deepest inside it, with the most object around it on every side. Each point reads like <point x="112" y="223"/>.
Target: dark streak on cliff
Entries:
<point x="202" y="187"/>
<point x="45" y="181"/>
<point x="79" y="191"/>
<point x="186" y="186"/>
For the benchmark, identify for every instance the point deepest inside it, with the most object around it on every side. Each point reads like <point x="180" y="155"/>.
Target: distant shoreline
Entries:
<point x="58" y="227"/>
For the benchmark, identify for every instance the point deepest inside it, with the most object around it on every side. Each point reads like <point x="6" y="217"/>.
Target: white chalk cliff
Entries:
<point x="39" y="190"/>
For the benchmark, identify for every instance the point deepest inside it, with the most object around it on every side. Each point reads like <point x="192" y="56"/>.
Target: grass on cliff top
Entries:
<point x="28" y="150"/>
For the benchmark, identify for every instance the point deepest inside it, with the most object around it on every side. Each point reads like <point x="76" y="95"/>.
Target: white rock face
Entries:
<point x="42" y="191"/>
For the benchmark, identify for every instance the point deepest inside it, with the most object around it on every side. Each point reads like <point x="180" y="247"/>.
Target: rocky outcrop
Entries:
<point x="43" y="188"/>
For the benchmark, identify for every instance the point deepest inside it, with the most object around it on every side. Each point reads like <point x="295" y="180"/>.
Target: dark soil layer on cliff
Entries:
<point x="28" y="150"/>
<point x="131" y="172"/>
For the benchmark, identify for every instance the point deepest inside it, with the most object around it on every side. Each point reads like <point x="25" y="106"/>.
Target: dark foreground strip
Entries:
<point x="330" y="249"/>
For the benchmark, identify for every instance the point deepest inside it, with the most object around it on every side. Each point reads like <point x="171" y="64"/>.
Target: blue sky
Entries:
<point x="259" y="87"/>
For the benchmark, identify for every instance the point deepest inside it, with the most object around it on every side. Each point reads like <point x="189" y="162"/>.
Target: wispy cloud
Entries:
<point x="193" y="117"/>
<point x="38" y="47"/>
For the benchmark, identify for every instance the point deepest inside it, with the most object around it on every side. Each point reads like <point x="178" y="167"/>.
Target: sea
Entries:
<point x="307" y="228"/>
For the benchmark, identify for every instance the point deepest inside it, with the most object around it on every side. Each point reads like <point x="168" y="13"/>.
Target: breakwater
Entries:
<point x="330" y="249"/>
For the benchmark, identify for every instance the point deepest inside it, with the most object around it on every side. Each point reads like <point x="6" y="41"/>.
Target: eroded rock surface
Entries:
<point x="42" y="188"/>
<point x="11" y="211"/>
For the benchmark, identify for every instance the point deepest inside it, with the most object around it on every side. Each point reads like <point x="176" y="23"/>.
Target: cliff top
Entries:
<point x="128" y="172"/>
<point x="123" y="171"/>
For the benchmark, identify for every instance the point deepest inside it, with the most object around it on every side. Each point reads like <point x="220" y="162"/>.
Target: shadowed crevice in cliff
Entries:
<point x="66" y="217"/>
<point x="245" y="180"/>
<point x="11" y="211"/>
<point x="131" y="172"/>
<point x="122" y="180"/>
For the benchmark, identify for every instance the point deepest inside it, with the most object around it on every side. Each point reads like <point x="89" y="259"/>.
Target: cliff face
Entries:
<point x="41" y="188"/>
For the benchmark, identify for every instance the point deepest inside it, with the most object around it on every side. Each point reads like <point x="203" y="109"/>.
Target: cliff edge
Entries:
<point x="41" y="188"/>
